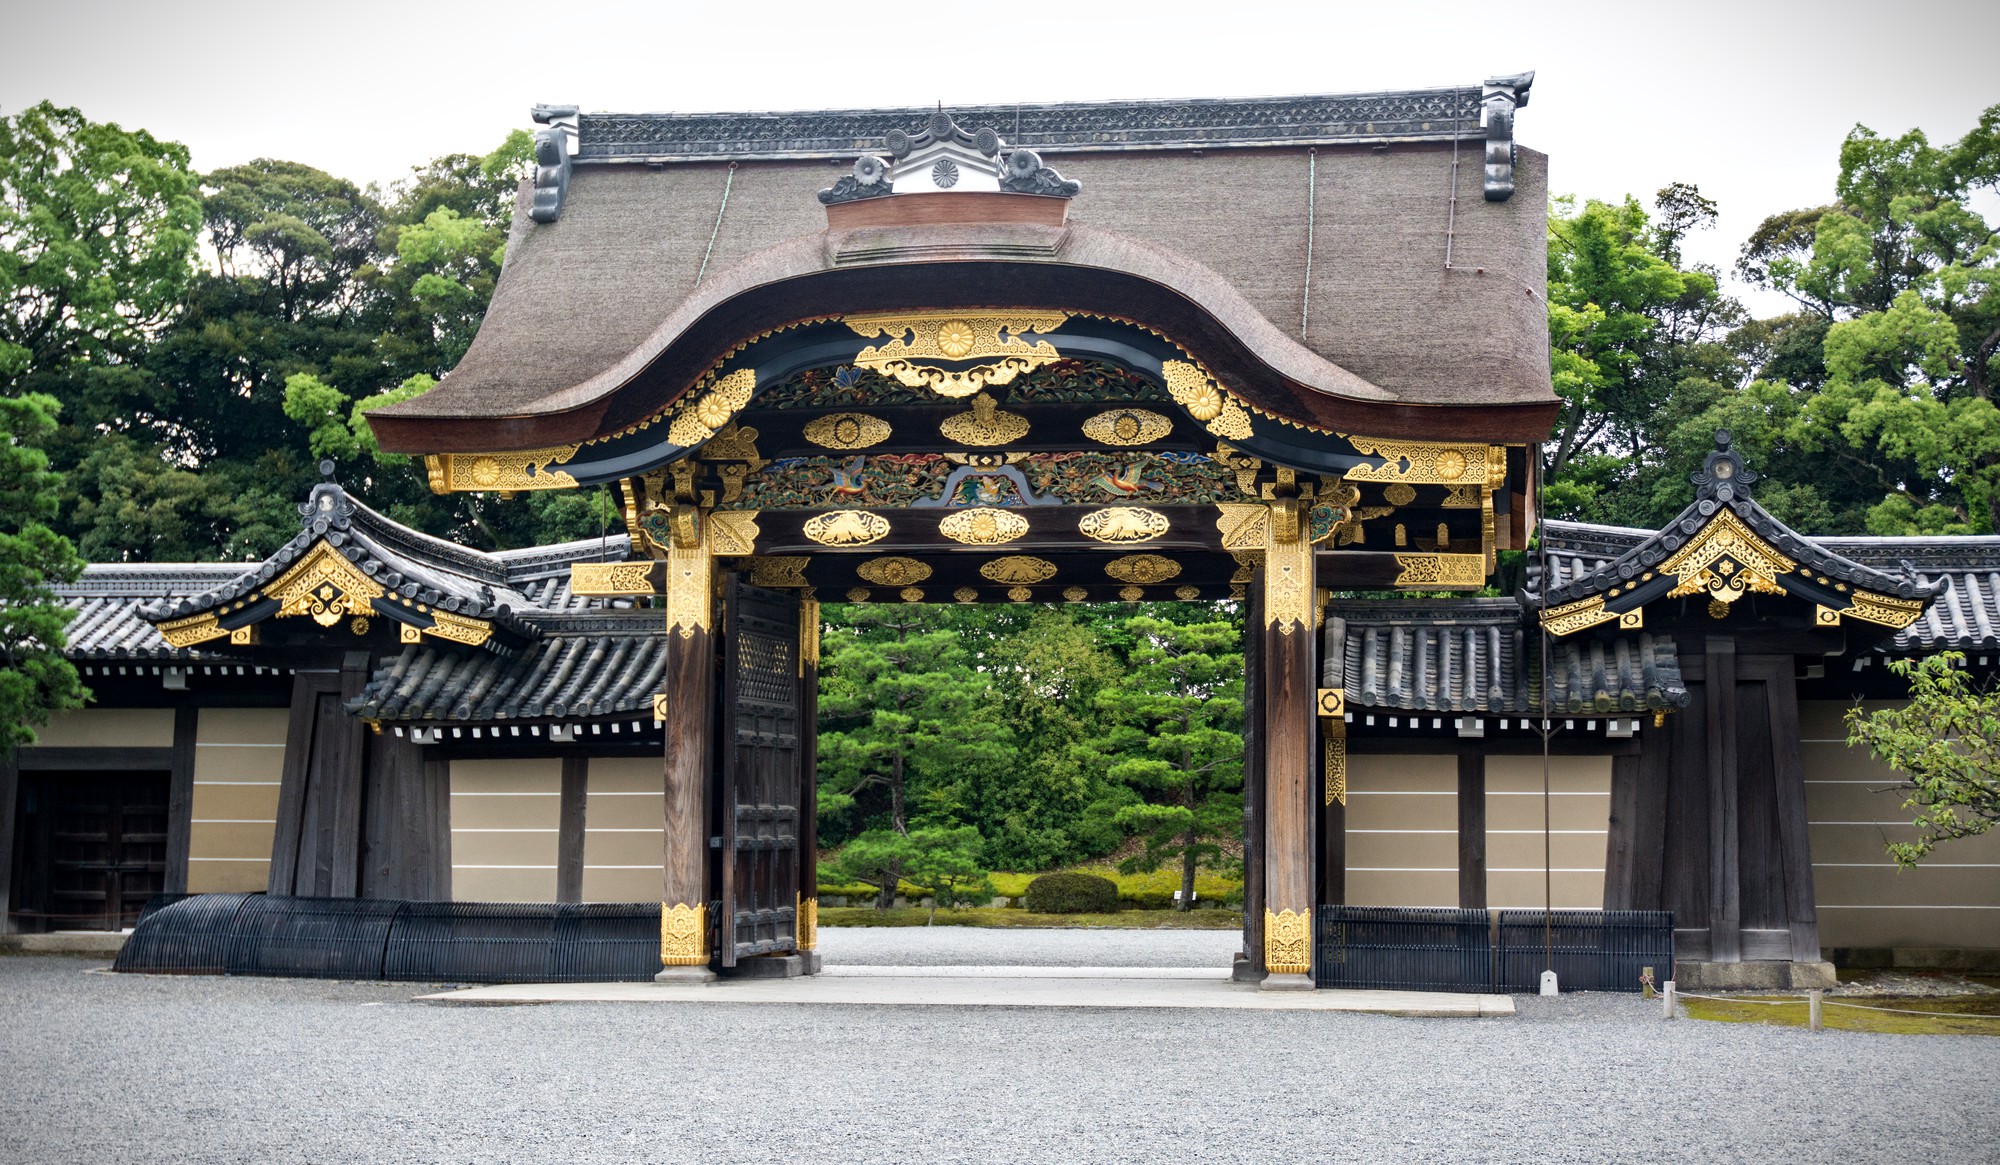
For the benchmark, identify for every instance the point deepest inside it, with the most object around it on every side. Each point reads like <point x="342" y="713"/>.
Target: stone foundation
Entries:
<point x="1759" y="976"/>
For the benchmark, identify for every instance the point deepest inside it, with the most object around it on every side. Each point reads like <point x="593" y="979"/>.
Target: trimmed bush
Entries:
<point x="1072" y="894"/>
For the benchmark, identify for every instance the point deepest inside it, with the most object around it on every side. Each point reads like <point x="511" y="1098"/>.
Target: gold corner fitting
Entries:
<point x="1288" y="942"/>
<point x="684" y="935"/>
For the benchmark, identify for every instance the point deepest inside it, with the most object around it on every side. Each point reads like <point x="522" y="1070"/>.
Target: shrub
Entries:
<point x="1072" y="894"/>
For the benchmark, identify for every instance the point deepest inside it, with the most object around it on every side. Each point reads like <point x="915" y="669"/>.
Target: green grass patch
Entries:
<point x="1980" y="1014"/>
<point x="987" y="916"/>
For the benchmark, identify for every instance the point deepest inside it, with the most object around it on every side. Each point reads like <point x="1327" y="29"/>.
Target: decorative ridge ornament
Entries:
<point x="943" y="156"/>
<point x="1498" y="99"/>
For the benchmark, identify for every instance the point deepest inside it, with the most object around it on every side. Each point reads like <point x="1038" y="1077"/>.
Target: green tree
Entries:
<point x="906" y="723"/>
<point x="1946" y="741"/>
<point x="1631" y="327"/>
<point x="36" y="680"/>
<point x="1175" y="732"/>
<point x="947" y="862"/>
<point x="1898" y="327"/>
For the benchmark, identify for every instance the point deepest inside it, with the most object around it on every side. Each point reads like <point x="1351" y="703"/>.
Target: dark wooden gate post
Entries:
<point x="1290" y="691"/>
<point x="808" y="827"/>
<point x="688" y="717"/>
<point x="1725" y="937"/>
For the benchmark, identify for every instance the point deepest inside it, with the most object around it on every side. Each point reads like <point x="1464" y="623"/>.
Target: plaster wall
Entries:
<point x="504" y="820"/>
<point x="239" y="761"/>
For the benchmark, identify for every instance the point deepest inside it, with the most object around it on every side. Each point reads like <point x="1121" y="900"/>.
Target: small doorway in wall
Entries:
<point x="90" y="848"/>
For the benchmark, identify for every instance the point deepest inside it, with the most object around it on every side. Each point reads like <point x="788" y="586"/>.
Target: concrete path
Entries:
<point x="1105" y="987"/>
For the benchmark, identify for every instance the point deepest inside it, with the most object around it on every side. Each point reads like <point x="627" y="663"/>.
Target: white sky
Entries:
<point x="1749" y="100"/>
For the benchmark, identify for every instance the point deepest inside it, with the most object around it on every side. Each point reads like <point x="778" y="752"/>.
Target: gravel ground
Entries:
<point x="103" y="1068"/>
<point x="972" y="946"/>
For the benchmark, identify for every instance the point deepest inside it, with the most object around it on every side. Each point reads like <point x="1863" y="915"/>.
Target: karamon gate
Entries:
<point x="1271" y="351"/>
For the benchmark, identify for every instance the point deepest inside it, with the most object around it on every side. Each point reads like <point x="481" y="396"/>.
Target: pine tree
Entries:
<point x="1175" y="734"/>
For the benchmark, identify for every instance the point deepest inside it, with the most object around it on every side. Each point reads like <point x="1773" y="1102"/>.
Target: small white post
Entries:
<point x="1812" y="1009"/>
<point x="1667" y="998"/>
<point x="1549" y="983"/>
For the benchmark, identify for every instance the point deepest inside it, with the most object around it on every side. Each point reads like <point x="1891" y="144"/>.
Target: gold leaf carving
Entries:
<point x="1192" y="387"/>
<point x="847" y="431"/>
<point x="911" y="594"/>
<point x="894" y="571"/>
<point x="1573" y="617"/>
<point x="1019" y="594"/>
<point x="1336" y="761"/>
<point x="965" y="595"/>
<point x="1244" y="525"/>
<point x="1441" y="570"/>
<point x="733" y="533"/>
<point x="857" y="594"/>
<point x="983" y="527"/>
<point x="984" y="425"/>
<point x="611" y="578"/>
<point x="1142" y="568"/>
<point x="458" y="628"/>
<point x="1127" y="427"/>
<point x="699" y="419"/>
<point x="690" y="588"/>
<point x="1728" y="560"/>
<point x="779" y="570"/>
<point x="916" y="344"/>
<point x="325" y="587"/>
<point x="1075" y="594"/>
<point x="1187" y="594"/>
<point x="1122" y="524"/>
<point x="808" y="923"/>
<point x="1887" y="611"/>
<point x="1018" y="568"/>
<point x="1420" y="462"/>
<point x="684" y="934"/>
<point x="1288" y="942"/>
<point x="521" y="469"/>
<point x="1288" y="571"/>
<point x="846" y="528"/>
<point x="1400" y="494"/>
<point x="192" y="630"/>
<point x="808" y="634"/>
<point x="1131" y="594"/>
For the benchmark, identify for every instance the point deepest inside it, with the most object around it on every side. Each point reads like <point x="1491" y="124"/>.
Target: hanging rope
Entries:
<point x="717" y="229"/>
<point x="1312" y="214"/>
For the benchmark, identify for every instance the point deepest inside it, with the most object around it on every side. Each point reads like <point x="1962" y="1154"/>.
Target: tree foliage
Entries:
<point x="1171" y="730"/>
<point x="1946" y="740"/>
<point x="35" y="679"/>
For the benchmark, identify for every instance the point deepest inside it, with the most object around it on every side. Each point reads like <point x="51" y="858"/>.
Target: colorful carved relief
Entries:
<point x="1088" y="478"/>
<point x="811" y="483"/>
<point x="986" y="489"/>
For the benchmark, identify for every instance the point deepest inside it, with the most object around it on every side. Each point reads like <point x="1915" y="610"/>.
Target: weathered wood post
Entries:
<point x="1290" y="695"/>
<point x="688" y="717"/>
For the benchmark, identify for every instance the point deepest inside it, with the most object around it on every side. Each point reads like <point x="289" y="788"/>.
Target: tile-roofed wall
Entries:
<point x="594" y="665"/>
<point x="107" y="598"/>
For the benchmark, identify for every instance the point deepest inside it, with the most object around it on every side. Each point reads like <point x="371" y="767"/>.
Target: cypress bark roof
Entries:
<point x="646" y="260"/>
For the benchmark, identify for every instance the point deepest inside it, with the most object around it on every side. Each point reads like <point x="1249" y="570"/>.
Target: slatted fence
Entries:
<point x="1407" y="949"/>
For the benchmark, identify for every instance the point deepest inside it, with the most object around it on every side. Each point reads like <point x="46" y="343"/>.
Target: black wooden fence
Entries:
<point x="1395" y="948"/>
<point x="363" y="938"/>
<point x="1402" y="949"/>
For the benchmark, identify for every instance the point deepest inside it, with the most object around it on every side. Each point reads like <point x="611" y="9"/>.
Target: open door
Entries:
<point x="764" y="737"/>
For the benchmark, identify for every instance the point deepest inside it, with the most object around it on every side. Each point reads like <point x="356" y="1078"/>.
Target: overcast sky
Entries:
<point x="1748" y="100"/>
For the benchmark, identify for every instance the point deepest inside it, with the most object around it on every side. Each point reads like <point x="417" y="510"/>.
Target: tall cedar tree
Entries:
<point x="1174" y="732"/>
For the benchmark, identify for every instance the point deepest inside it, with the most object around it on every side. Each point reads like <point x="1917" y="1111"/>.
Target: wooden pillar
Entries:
<point x="570" y="828"/>
<point x="10" y="796"/>
<point x="689" y="715"/>
<point x="1471" y="831"/>
<point x="1290" y="693"/>
<point x="316" y="845"/>
<point x="1795" y="847"/>
<point x="180" y="800"/>
<point x="1251" y="968"/>
<point x="1724" y="865"/>
<point x="1332" y="708"/>
<point x="808" y="825"/>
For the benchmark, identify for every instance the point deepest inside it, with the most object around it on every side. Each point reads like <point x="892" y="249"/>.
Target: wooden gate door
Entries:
<point x="764" y="735"/>
<point x="102" y="842"/>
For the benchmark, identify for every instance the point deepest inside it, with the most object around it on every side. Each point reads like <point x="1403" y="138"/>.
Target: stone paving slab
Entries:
<point x="923" y="987"/>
